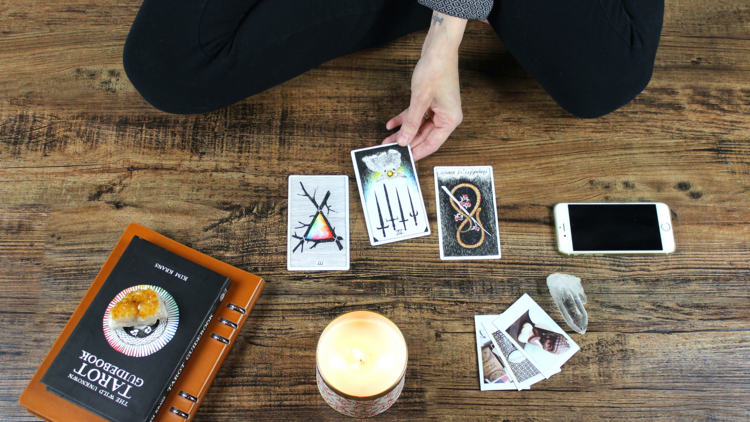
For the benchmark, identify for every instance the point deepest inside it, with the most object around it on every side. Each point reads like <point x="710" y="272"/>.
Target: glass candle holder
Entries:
<point x="361" y="364"/>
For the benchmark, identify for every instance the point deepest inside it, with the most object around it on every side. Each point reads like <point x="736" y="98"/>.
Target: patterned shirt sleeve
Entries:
<point x="466" y="9"/>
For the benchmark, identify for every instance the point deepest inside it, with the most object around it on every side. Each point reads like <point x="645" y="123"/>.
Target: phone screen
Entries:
<point x="615" y="227"/>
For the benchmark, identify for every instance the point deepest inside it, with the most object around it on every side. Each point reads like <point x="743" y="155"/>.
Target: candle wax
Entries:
<point x="362" y="354"/>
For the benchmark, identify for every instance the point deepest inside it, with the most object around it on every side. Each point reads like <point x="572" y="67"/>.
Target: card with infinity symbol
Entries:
<point x="390" y="193"/>
<point x="467" y="213"/>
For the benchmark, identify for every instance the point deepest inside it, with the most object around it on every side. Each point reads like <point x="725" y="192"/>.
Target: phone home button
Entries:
<point x="666" y="227"/>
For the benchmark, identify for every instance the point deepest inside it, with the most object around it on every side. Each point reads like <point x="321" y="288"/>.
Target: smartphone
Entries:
<point x="614" y="228"/>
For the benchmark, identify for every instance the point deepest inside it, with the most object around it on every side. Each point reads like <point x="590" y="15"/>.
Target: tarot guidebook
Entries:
<point x="125" y="373"/>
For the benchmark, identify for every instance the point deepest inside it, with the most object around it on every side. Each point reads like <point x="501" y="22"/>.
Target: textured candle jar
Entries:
<point x="361" y="363"/>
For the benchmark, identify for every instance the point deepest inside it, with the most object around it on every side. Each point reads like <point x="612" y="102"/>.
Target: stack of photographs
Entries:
<point x="520" y="347"/>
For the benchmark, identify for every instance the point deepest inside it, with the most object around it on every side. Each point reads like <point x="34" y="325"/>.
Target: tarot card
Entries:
<point x="492" y="372"/>
<point x="318" y="223"/>
<point x="390" y="193"/>
<point x="522" y="370"/>
<point x="537" y="335"/>
<point x="467" y="213"/>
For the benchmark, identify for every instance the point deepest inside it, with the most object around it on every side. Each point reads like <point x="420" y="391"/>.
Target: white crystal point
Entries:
<point x="569" y="297"/>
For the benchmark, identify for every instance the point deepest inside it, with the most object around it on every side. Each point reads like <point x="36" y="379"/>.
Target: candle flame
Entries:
<point x="360" y="356"/>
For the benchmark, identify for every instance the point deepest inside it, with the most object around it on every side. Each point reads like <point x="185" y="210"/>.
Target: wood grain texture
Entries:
<point x="82" y="155"/>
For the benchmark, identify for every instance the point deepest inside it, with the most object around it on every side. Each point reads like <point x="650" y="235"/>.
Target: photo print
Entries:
<point x="467" y="213"/>
<point x="523" y="372"/>
<point x="537" y="335"/>
<point x="492" y="372"/>
<point x="390" y="194"/>
<point x="318" y="223"/>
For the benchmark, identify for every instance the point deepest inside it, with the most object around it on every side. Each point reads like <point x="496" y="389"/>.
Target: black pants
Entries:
<point x="196" y="56"/>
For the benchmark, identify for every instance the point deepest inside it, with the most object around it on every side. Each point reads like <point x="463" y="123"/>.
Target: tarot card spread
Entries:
<point x="467" y="213"/>
<point x="318" y="223"/>
<point x="392" y="200"/>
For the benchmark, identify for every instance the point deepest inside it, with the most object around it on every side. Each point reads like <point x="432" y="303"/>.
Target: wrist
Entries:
<point x="445" y="34"/>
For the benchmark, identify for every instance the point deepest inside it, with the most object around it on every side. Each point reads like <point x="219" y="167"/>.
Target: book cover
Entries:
<point x="124" y="374"/>
<point x="200" y="370"/>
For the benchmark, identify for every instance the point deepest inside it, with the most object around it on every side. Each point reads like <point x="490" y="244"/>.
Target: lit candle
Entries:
<point x="361" y="363"/>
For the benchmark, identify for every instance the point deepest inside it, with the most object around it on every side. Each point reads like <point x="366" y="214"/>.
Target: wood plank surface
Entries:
<point x="82" y="155"/>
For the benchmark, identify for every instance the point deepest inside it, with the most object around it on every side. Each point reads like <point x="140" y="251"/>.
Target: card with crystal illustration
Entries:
<point x="493" y="374"/>
<point x="318" y="223"/>
<point x="536" y="335"/>
<point x="390" y="193"/>
<point x="467" y="213"/>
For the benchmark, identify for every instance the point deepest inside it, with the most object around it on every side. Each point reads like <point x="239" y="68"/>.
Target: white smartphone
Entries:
<point x="614" y="228"/>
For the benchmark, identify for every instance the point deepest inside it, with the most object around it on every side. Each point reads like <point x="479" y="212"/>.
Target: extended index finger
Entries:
<point x="412" y="119"/>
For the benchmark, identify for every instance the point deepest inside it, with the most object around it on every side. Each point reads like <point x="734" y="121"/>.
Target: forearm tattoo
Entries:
<point x="437" y="19"/>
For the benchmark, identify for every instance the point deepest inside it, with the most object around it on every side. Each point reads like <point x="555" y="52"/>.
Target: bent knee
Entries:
<point x="165" y="79"/>
<point x="600" y="96"/>
<point x="168" y="69"/>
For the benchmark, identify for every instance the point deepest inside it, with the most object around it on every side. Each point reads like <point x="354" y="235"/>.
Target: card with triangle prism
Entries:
<point x="318" y="223"/>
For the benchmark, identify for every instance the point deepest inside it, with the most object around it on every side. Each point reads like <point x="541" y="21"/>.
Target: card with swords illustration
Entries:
<point x="467" y="213"/>
<point x="318" y="223"/>
<point x="390" y="193"/>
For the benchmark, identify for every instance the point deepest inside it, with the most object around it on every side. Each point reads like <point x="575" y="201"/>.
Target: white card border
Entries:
<point x="346" y="267"/>
<point x="439" y="192"/>
<point x="362" y="197"/>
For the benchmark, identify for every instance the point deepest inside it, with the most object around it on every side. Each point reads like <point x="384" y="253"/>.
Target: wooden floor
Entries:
<point x="82" y="155"/>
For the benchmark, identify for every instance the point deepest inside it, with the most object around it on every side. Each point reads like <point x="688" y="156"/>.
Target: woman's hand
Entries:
<point x="435" y="107"/>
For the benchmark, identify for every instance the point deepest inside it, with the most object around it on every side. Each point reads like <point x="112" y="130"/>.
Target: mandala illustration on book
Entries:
<point x="143" y="341"/>
<point x="319" y="229"/>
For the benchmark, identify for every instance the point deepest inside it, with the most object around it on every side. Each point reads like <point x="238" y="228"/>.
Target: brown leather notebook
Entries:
<point x="200" y="370"/>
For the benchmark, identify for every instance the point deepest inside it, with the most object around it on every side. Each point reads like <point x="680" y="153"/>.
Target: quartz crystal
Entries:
<point x="568" y="294"/>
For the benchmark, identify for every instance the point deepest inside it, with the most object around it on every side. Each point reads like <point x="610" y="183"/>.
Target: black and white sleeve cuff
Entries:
<point x="466" y="9"/>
